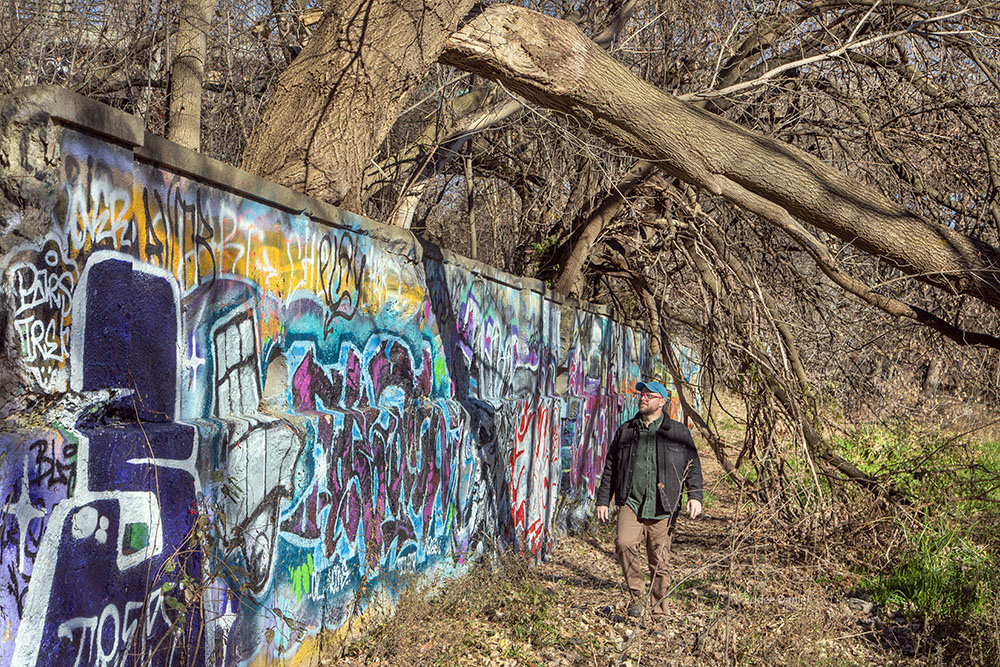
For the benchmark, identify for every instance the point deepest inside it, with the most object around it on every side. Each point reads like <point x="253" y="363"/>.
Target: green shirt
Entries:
<point x="644" y="498"/>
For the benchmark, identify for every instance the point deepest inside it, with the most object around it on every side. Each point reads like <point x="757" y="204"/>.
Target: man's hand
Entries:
<point x="694" y="508"/>
<point x="602" y="513"/>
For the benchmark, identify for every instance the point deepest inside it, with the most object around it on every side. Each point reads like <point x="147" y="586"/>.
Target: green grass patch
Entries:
<point x="946" y="567"/>
<point x="944" y="474"/>
<point x="941" y="574"/>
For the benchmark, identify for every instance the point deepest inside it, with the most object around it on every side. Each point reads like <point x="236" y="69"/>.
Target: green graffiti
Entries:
<point x="135" y="538"/>
<point x="300" y="576"/>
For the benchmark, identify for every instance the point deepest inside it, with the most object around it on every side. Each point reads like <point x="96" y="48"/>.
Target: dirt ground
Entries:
<point x="737" y="598"/>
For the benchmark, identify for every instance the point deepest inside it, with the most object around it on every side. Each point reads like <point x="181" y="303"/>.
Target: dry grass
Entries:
<point x="740" y="596"/>
<point x="752" y="584"/>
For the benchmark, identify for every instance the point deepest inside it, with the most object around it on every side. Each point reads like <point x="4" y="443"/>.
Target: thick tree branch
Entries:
<point x="577" y="254"/>
<point x="337" y="100"/>
<point x="437" y="145"/>
<point x="553" y="64"/>
<point x="780" y="218"/>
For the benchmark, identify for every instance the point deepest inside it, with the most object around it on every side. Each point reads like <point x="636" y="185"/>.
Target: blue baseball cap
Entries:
<point x="653" y="387"/>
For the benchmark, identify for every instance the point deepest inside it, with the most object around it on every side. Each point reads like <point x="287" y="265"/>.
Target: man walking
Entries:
<point x="650" y="459"/>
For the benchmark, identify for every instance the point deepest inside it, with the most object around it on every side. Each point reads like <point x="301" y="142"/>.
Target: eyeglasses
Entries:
<point x="649" y="394"/>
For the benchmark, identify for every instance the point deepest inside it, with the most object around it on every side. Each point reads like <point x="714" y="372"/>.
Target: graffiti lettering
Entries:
<point x="342" y="274"/>
<point x="334" y="411"/>
<point x="99" y="213"/>
<point x="100" y="639"/>
<point x="47" y="287"/>
<point x="53" y="467"/>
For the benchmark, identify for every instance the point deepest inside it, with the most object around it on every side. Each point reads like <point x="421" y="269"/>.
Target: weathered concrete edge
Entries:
<point x="78" y="111"/>
<point x="74" y="110"/>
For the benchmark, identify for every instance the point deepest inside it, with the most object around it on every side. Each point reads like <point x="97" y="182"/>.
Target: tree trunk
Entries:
<point x="336" y="102"/>
<point x="450" y="129"/>
<point x="470" y="199"/>
<point x="551" y="63"/>
<point x="577" y="254"/>
<point x="187" y="71"/>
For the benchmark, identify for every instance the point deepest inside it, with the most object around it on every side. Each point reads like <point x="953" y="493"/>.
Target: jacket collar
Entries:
<point x="664" y="424"/>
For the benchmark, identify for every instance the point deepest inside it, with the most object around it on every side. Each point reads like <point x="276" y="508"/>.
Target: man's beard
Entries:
<point x="648" y="409"/>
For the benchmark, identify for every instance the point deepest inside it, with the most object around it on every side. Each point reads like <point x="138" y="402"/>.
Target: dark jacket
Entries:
<point x="677" y="463"/>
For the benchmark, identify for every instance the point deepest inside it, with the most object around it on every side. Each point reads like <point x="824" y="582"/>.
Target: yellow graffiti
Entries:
<point x="198" y="234"/>
<point x="322" y="646"/>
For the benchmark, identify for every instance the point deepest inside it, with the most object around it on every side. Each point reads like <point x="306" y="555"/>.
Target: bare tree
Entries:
<point x="187" y="72"/>
<point x="806" y="193"/>
<point x="336" y="102"/>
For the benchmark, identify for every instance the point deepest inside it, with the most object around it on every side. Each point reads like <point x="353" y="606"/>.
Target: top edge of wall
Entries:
<point x="74" y="110"/>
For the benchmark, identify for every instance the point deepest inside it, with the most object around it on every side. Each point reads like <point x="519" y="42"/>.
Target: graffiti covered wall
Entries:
<point x="234" y="418"/>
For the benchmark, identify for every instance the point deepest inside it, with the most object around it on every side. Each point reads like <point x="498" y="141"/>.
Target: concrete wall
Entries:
<point x="233" y="416"/>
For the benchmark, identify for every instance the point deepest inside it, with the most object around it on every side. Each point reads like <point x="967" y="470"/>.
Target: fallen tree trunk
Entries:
<point x="553" y="64"/>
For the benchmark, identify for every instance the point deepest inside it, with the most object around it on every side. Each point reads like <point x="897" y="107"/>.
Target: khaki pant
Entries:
<point x="658" y="535"/>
